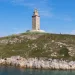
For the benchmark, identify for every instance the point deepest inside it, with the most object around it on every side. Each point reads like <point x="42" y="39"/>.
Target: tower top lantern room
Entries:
<point x="35" y="13"/>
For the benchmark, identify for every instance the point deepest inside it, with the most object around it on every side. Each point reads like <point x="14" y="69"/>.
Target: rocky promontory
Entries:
<point x="38" y="50"/>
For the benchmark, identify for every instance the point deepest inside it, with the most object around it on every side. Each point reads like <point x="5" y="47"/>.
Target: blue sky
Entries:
<point x="57" y="16"/>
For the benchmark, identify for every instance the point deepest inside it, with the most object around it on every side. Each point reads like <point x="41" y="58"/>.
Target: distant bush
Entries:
<point x="28" y="31"/>
<point x="64" y="51"/>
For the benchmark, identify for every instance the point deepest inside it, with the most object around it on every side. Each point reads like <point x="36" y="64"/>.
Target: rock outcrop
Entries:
<point x="41" y="63"/>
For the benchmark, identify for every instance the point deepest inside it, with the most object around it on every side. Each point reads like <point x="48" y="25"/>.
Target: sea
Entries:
<point x="10" y="70"/>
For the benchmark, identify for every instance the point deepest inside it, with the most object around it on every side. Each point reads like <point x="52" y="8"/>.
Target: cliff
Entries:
<point x="55" y="46"/>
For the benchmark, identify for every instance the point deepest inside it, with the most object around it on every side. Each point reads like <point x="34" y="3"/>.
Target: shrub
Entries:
<point x="64" y="51"/>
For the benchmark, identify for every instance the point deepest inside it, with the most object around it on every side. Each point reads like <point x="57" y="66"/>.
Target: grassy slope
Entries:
<point x="38" y="45"/>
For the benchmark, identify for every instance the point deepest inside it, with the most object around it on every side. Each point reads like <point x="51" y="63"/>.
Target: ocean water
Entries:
<point x="19" y="71"/>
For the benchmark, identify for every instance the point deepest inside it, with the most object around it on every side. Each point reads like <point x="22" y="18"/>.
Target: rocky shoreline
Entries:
<point x="40" y="63"/>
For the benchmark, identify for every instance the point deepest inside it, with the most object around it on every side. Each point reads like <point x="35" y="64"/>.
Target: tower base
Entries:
<point x="39" y="31"/>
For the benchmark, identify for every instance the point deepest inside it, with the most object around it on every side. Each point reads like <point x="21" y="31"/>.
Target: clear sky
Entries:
<point x="57" y="16"/>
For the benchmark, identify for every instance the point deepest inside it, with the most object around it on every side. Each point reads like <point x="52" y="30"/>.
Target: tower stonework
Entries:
<point x="35" y="20"/>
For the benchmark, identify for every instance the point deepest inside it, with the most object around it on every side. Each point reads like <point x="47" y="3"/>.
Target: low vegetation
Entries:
<point x="60" y="46"/>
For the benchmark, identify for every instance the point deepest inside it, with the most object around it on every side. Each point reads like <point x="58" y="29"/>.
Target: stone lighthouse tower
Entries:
<point x="35" y="20"/>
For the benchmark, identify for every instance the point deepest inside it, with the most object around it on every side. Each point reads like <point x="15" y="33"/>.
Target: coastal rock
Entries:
<point x="39" y="63"/>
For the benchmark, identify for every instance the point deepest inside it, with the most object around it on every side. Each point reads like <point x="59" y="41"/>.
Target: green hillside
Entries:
<point x="58" y="46"/>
